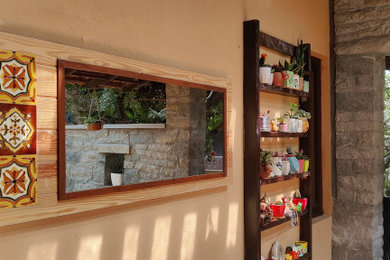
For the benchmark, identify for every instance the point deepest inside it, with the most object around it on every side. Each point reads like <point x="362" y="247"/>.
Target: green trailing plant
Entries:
<point x="214" y="119"/>
<point x="157" y="116"/>
<point x="265" y="157"/>
<point x="133" y="108"/>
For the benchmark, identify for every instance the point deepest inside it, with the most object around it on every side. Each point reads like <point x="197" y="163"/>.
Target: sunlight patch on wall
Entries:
<point x="161" y="238"/>
<point x="42" y="250"/>
<point x="188" y="237"/>
<point x="90" y="247"/>
<point x="212" y="222"/>
<point x="130" y="246"/>
<point x="231" y="236"/>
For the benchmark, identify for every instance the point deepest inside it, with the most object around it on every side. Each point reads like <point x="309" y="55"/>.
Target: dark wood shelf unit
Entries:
<point x="281" y="221"/>
<point x="253" y="39"/>
<point x="284" y="178"/>
<point x="282" y="135"/>
<point x="283" y="91"/>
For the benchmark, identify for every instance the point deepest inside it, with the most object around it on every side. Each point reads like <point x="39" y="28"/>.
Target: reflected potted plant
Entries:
<point x="301" y="160"/>
<point x="93" y="123"/>
<point x="265" y="161"/>
<point x="265" y="71"/>
<point x="304" y="116"/>
<point x="116" y="166"/>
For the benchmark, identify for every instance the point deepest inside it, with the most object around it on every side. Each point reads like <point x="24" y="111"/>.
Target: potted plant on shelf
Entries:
<point x="301" y="160"/>
<point x="93" y="123"/>
<point x="265" y="70"/>
<point x="265" y="161"/>
<point x="306" y="163"/>
<point x="292" y="118"/>
<point x="294" y="164"/>
<point x="283" y="127"/>
<point x="115" y="164"/>
<point x="285" y="165"/>
<point x="304" y="116"/>
<point x="289" y="67"/>
<point x="265" y="124"/>
<point x="279" y="75"/>
<point x="300" y="60"/>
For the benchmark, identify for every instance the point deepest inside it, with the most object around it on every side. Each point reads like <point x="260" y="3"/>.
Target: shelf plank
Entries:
<point x="284" y="178"/>
<point x="282" y="135"/>
<point x="280" y="221"/>
<point x="282" y="91"/>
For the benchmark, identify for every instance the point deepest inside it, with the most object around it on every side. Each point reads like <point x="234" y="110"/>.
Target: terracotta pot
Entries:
<point x="94" y="126"/>
<point x="265" y="171"/>
<point x="278" y="79"/>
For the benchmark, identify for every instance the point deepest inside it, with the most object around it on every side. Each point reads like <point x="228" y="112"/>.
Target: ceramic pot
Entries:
<point x="305" y="125"/>
<point x="306" y="165"/>
<point x="294" y="164"/>
<point x="278" y="79"/>
<point x="299" y="126"/>
<point x="303" y="202"/>
<point x="117" y="179"/>
<point x="300" y="83"/>
<point x="265" y="125"/>
<point x="94" y="126"/>
<point x="296" y="81"/>
<point x="301" y="162"/>
<point x="278" y="210"/>
<point x="292" y="125"/>
<point x="276" y="163"/>
<point x="303" y="244"/>
<point x="289" y="82"/>
<point x="285" y="167"/>
<point x="283" y="128"/>
<point x="265" y="74"/>
<point x="271" y="79"/>
<point x="306" y="86"/>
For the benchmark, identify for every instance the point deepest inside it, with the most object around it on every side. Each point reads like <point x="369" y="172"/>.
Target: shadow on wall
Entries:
<point x="182" y="236"/>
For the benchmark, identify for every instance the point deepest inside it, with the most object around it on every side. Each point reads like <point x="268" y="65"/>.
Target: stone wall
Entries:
<point x="155" y="154"/>
<point x="362" y="34"/>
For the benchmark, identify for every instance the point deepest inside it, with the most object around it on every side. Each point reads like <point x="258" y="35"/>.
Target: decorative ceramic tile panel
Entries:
<point x="17" y="129"/>
<point x="18" y="180"/>
<point x="17" y="78"/>
<point x="18" y="171"/>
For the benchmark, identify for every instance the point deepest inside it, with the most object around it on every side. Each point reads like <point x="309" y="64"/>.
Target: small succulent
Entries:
<point x="300" y="155"/>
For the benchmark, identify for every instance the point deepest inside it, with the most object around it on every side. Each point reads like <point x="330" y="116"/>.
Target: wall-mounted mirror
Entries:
<point x="121" y="130"/>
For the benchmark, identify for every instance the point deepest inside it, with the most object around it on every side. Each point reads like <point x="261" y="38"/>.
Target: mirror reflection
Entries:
<point x="122" y="131"/>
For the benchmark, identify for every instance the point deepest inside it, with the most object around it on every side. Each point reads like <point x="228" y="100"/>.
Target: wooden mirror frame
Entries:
<point x="62" y="194"/>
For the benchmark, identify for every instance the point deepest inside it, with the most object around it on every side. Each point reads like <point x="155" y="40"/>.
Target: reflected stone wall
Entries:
<point x="155" y="154"/>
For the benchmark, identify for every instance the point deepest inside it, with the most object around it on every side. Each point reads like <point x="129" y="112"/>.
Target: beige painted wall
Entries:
<point x="202" y="36"/>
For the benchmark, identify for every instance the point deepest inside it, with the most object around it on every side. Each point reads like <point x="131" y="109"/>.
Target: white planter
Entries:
<point x="299" y="126"/>
<point x="276" y="163"/>
<point x="265" y="75"/>
<point x="271" y="79"/>
<point x="296" y="81"/>
<point x="285" y="167"/>
<point x="117" y="179"/>
<point x="292" y="125"/>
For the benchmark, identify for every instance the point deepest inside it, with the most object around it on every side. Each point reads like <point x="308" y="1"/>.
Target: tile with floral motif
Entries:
<point x="17" y="129"/>
<point x="17" y="78"/>
<point x="18" y="181"/>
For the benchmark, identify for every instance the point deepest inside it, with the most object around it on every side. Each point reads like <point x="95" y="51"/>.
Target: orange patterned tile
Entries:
<point x="17" y="78"/>
<point x="18" y="181"/>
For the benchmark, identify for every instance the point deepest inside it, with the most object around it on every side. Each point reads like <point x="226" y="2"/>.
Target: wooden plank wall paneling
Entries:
<point x="48" y="206"/>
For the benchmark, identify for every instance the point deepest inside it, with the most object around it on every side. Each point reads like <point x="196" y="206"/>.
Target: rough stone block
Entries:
<point x="114" y="148"/>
